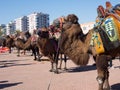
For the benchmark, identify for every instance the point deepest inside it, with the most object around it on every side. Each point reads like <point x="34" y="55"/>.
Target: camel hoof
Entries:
<point x="51" y="70"/>
<point x="60" y="68"/>
<point x="35" y="59"/>
<point x="56" y="72"/>
<point x="107" y="88"/>
<point x="18" y="55"/>
<point x="39" y="59"/>
<point x="65" y="69"/>
<point x="94" y="64"/>
<point x="40" y="56"/>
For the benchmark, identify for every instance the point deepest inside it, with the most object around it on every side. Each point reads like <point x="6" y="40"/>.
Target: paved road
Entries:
<point x="22" y="73"/>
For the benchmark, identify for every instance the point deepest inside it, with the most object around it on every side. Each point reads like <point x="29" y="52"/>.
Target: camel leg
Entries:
<point x="106" y="82"/>
<point x="56" y="55"/>
<point x="9" y="50"/>
<point x="18" y="51"/>
<point x="106" y="85"/>
<point x="34" y="54"/>
<point x="56" y="68"/>
<point x="52" y="63"/>
<point x="38" y="54"/>
<point x="24" y="52"/>
<point x="110" y="63"/>
<point x="65" y="60"/>
<point x="60" y="61"/>
<point x="51" y="70"/>
<point x="94" y="58"/>
<point x="103" y="73"/>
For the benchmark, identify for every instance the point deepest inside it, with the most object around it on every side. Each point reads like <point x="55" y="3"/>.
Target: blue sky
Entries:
<point x="84" y="9"/>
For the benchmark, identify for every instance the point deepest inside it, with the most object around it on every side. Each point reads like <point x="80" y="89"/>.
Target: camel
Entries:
<point x="49" y="48"/>
<point x="28" y="44"/>
<point x="2" y="41"/>
<point x="7" y="41"/>
<point x="77" y="47"/>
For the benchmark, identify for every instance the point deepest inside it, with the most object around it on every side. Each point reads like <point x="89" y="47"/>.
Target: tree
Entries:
<point x="1" y="31"/>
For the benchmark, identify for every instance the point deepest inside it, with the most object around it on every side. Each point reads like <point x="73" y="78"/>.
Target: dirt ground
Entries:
<point x="23" y="73"/>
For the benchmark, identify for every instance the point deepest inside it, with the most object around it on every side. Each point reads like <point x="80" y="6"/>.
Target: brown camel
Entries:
<point x="28" y="44"/>
<point x="77" y="47"/>
<point x="49" y="48"/>
<point x="8" y="42"/>
<point x="54" y="33"/>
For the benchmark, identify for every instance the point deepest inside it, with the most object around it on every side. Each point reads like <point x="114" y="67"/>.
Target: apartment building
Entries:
<point x="10" y="28"/>
<point x="21" y="23"/>
<point x="30" y="22"/>
<point x="37" y="20"/>
<point x="2" y="29"/>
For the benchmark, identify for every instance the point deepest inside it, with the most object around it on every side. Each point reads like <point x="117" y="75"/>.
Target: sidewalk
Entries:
<point x="23" y="73"/>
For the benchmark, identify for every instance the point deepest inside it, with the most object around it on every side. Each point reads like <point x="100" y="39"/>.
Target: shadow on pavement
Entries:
<point x="117" y="67"/>
<point x="3" y="81"/>
<point x="3" y="84"/>
<point x="82" y="68"/>
<point x="45" y="59"/>
<point x="10" y="63"/>
<point x="12" y="60"/>
<point x="14" y="64"/>
<point x="116" y="86"/>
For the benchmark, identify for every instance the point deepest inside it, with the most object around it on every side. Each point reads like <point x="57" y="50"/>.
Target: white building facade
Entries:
<point x="37" y="20"/>
<point x="30" y="22"/>
<point x="10" y="28"/>
<point x="21" y="23"/>
<point x="3" y="29"/>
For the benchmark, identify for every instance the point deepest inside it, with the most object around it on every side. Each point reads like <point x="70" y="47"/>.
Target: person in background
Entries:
<point x="34" y="36"/>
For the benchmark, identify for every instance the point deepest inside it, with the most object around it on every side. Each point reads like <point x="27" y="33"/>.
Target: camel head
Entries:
<point x="27" y="34"/>
<point x="43" y="34"/>
<point x="72" y="18"/>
